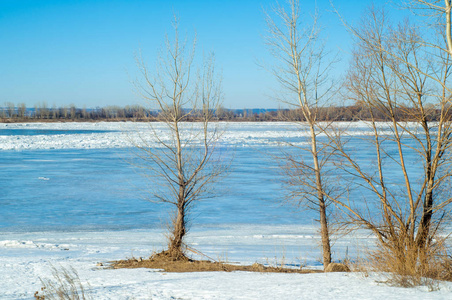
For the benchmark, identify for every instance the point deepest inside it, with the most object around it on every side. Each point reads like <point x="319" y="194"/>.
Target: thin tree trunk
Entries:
<point x="179" y="229"/>
<point x="448" y="8"/>
<point x="322" y="206"/>
<point x="176" y="242"/>
<point x="325" y="234"/>
<point x="427" y="213"/>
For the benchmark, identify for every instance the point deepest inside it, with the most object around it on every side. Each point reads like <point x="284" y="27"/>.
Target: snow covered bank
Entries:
<point x="25" y="257"/>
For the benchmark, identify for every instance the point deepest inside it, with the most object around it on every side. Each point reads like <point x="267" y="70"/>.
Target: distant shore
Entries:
<point x="43" y="114"/>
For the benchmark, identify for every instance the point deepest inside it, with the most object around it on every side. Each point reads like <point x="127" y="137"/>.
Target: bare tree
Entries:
<point x="438" y="14"/>
<point x="394" y="70"/>
<point x="21" y="110"/>
<point x="302" y="72"/>
<point x="10" y="109"/>
<point x="185" y="156"/>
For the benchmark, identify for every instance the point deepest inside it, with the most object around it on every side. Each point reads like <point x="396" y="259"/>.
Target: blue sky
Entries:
<point x="82" y="52"/>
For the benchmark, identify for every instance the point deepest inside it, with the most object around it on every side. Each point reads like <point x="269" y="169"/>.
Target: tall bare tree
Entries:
<point x="395" y="72"/>
<point x="301" y="70"/>
<point x="183" y="158"/>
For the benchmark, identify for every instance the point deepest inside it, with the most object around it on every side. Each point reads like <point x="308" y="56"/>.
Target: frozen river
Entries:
<point x="79" y="177"/>
<point x="72" y="189"/>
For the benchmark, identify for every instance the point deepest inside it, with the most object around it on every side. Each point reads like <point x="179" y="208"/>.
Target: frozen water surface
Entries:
<point x="99" y="189"/>
<point x="56" y="183"/>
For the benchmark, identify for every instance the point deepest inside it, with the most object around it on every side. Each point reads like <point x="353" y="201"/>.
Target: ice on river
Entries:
<point x="122" y="135"/>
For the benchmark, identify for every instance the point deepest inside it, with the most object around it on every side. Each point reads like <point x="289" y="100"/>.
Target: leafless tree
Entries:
<point x="393" y="70"/>
<point x="21" y="110"/>
<point x="10" y="109"/>
<point x="301" y="70"/>
<point x="72" y="111"/>
<point x="183" y="158"/>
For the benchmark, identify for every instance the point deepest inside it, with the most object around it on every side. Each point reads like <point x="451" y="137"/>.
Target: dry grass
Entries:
<point x="409" y="268"/>
<point x="65" y="285"/>
<point x="162" y="261"/>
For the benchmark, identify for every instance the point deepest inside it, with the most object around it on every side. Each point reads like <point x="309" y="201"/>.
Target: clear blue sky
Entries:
<point x="82" y="51"/>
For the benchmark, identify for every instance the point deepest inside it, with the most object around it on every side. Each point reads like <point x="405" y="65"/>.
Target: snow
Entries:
<point x="122" y="135"/>
<point x="51" y="189"/>
<point x="27" y="257"/>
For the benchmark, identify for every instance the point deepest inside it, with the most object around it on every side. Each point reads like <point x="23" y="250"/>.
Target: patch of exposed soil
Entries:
<point x="162" y="261"/>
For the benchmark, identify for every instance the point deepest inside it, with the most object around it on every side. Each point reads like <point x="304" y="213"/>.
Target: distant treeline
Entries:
<point x="42" y="113"/>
